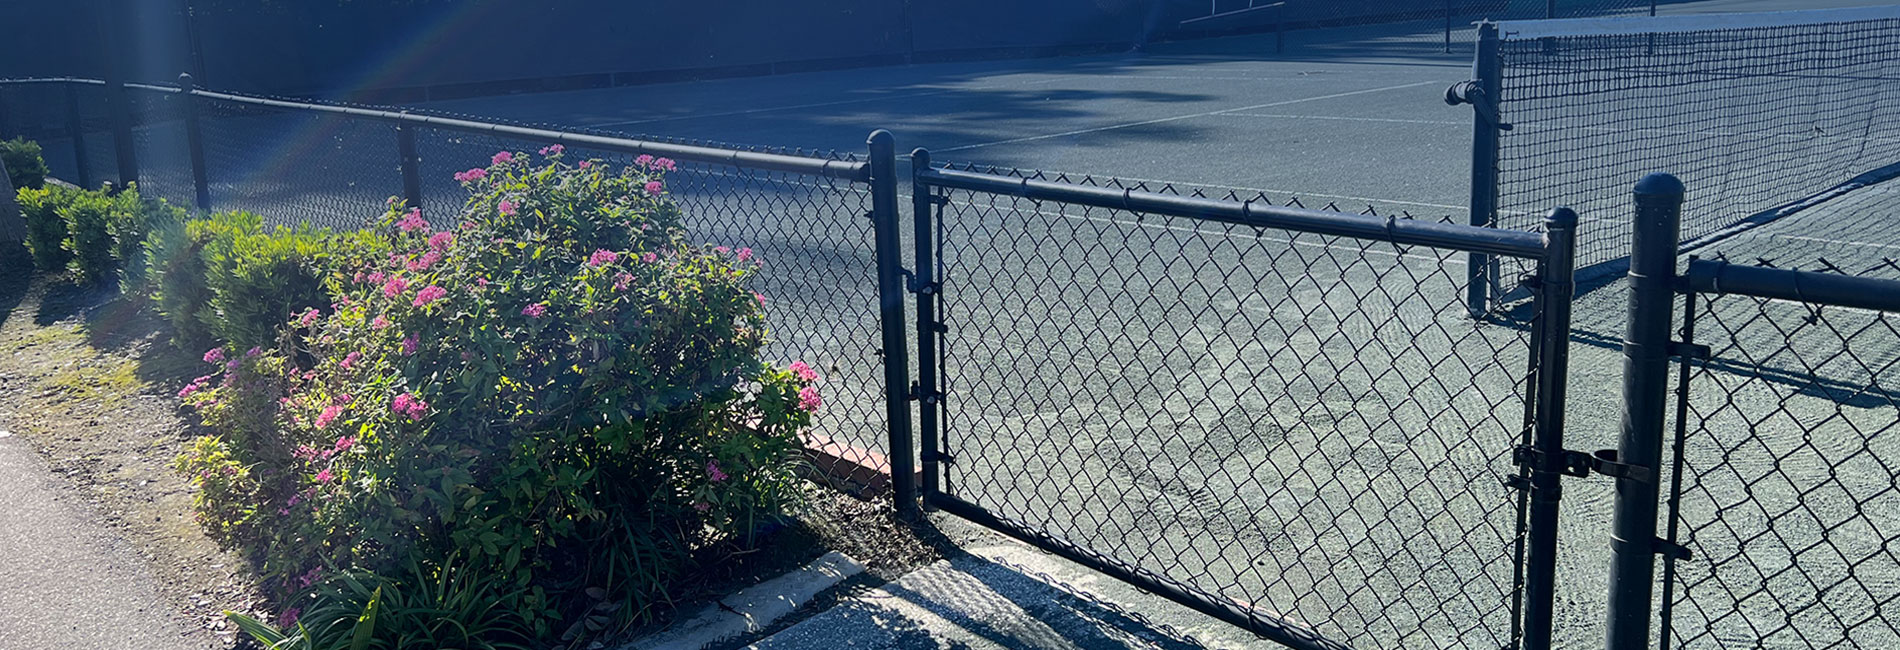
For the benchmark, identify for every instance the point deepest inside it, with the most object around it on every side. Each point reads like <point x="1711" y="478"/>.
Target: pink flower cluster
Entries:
<point x="309" y="317"/>
<point x="623" y="281"/>
<point x="472" y="175"/>
<point x="328" y="415"/>
<point x="712" y="472"/>
<point x="654" y="188"/>
<point x="535" y="310"/>
<point x="214" y="355"/>
<point x="649" y="257"/>
<point x="552" y="150"/>
<point x="394" y="287"/>
<point x="423" y="263"/>
<point x="379" y="323"/>
<point x="506" y="207"/>
<point x="804" y="371"/>
<point x="413" y="221"/>
<point x="603" y="257"/>
<point x="429" y="294"/>
<point x="745" y="254"/>
<point x="502" y="158"/>
<point x="441" y="241"/>
<point x="808" y="400"/>
<point x="409" y="344"/>
<point x="350" y="360"/>
<point x="649" y="162"/>
<point x="409" y="405"/>
<point x="195" y="386"/>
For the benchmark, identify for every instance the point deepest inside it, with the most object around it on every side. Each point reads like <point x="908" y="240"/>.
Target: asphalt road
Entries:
<point x="66" y="580"/>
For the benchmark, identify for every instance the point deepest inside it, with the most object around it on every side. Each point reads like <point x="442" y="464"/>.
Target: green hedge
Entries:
<point x="25" y="168"/>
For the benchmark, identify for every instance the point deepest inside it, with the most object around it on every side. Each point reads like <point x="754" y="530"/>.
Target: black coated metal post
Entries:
<point x="1556" y="287"/>
<point x="890" y="293"/>
<point x="923" y="209"/>
<point x="118" y="107"/>
<point x="411" y="165"/>
<point x="1652" y="276"/>
<point x="77" y="125"/>
<point x="1486" y="77"/>
<point x="1448" y="26"/>
<point x="195" y="142"/>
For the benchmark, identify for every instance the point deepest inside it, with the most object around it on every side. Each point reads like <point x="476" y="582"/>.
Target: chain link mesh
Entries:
<point x="158" y="136"/>
<point x="1790" y="476"/>
<point x="1304" y="424"/>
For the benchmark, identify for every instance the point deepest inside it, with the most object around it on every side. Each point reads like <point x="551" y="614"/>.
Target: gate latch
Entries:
<point x="1577" y="463"/>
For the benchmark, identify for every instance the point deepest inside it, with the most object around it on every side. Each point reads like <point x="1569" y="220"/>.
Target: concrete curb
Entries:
<point x="754" y="608"/>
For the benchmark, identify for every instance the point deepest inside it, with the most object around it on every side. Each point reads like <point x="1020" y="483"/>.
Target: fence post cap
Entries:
<point x="1564" y="218"/>
<point x="880" y="137"/>
<point x="184" y="80"/>
<point x="1659" y="184"/>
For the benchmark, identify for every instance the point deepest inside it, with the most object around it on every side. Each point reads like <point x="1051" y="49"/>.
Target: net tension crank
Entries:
<point x="1471" y="92"/>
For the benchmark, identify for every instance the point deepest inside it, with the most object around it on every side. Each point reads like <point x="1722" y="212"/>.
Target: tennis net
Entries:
<point x="1763" y="115"/>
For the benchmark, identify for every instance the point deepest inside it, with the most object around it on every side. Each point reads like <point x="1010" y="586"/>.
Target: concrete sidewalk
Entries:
<point x="66" y="580"/>
<point x="1006" y="595"/>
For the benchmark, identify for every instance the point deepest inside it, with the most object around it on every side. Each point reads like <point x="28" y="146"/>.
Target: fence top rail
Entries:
<point x="51" y="80"/>
<point x="1831" y="289"/>
<point x="857" y="171"/>
<point x="1525" y="30"/>
<point x="1431" y="234"/>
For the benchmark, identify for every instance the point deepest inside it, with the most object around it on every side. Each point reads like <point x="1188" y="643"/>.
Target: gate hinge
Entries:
<point x="937" y="457"/>
<point x="931" y="398"/>
<point x="1672" y="551"/>
<point x="1681" y="349"/>
<point x="937" y="199"/>
<point x="913" y="285"/>
<point x="1577" y="463"/>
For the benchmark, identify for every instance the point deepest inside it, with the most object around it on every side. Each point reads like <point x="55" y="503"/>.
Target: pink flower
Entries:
<point x="643" y="161"/>
<point x="423" y="263"/>
<point x="410" y="405"/>
<point x="553" y="149"/>
<point x="603" y="257"/>
<point x="722" y="250"/>
<point x="586" y="163"/>
<point x="713" y="473"/>
<point x="701" y="506"/>
<point x="409" y="344"/>
<point x="345" y="443"/>
<point x="325" y="476"/>
<point x="535" y="310"/>
<point x="759" y="297"/>
<point x="506" y="207"/>
<point x="413" y="221"/>
<point x="188" y="390"/>
<point x="745" y="254"/>
<point x="654" y="188"/>
<point x="305" y="452"/>
<point x="429" y="294"/>
<point x="804" y="372"/>
<point x="664" y="164"/>
<point x="351" y="359"/>
<point x="442" y="240"/>
<point x="394" y="287"/>
<point x="649" y="257"/>
<point x="214" y="355"/>
<point x="472" y="175"/>
<point x="808" y="400"/>
<point x="341" y="399"/>
<point x="622" y="281"/>
<point x="375" y="278"/>
<point x="502" y="157"/>
<point x="309" y="316"/>
<point x="379" y="323"/>
<point x="328" y="415"/>
<point x="481" y="282"/>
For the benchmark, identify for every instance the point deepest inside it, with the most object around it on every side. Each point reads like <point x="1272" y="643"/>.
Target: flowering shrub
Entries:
<point x="559" y="391"/>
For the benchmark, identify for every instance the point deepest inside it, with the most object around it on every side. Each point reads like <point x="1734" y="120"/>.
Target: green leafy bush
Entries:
<point x="257" y="280"/>
<point x="175" y="259"/>
<point x="88" y="235"/>
<point x="130" y="225"/>
<point x="45" y="228"/>
<point x="26" y="169"/>
<point x="431" y="608"/>
<point x="562" y="393"/>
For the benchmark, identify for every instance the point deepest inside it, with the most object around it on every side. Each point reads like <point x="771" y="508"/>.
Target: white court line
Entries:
<point x="1351" y="119"/>
<point x="1190" y="116"/>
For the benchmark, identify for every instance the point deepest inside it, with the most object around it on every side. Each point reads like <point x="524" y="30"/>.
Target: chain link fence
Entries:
<point x="1786" y="484"/>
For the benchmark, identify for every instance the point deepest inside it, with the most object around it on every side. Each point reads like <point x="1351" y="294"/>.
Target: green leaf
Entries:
<point x="366" y="624"/>
<point x="260" y="631"/>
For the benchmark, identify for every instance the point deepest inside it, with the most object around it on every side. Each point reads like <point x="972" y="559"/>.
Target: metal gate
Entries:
<point x="1281" y="417"/>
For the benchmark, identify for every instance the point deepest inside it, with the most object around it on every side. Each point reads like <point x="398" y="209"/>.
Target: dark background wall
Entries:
<point x="411" y="49"/>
